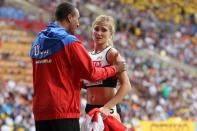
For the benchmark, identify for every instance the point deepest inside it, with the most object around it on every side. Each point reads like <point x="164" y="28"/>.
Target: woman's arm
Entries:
<point x="125" y="86"/>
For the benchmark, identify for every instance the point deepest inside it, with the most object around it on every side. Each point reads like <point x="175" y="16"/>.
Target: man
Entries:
<point x="59" y="63"/>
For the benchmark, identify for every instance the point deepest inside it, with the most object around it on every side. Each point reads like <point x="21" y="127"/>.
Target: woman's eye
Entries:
<point x="96" y="29"/>
<point x="103" y="30"/>
<point x="100" y="29"/>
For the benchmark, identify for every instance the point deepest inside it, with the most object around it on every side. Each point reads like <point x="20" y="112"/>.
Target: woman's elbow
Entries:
<point x="128" y="87"/>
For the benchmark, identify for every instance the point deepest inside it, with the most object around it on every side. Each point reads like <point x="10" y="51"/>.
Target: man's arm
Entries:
<point x="82" y="62"/>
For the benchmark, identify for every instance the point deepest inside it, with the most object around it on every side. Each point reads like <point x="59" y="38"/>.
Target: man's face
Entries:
<point x="74" y="22"/>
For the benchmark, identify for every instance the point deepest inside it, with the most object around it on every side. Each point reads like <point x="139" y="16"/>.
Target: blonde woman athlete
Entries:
<point x="105" y="94"/>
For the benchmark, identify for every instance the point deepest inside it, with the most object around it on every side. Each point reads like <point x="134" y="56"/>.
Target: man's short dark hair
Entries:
<point x="63" y="10"/>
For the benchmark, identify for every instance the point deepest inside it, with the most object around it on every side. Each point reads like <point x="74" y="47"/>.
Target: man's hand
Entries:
<point x="119" y="65"/>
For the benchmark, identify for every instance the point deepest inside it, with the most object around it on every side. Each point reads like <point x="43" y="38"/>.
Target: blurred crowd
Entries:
<point x="159" y="91"/>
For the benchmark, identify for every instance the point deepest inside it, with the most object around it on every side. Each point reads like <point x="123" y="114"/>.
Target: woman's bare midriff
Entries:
<point x="99" y="95"/>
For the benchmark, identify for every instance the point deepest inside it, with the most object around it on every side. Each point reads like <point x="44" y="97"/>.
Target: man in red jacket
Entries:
<point x="59" y="63"/>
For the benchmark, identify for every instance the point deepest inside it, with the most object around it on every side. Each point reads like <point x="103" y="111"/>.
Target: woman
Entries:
<point x="103" y="94"/>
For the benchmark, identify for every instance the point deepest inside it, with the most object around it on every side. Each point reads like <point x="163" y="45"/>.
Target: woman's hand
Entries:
<point x="104" y="111"/>
<point x="107" y="111"/>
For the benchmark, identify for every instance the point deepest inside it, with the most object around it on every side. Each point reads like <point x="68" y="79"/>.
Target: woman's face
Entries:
<point x="101" y="33"/>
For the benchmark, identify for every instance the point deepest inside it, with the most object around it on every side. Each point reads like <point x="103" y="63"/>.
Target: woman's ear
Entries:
<point x="112" y="33"/>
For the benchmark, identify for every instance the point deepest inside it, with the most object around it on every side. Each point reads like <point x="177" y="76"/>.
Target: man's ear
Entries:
<point x="69" y="18"/>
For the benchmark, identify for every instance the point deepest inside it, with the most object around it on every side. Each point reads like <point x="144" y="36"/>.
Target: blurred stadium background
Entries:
<point x="158" y="39"/>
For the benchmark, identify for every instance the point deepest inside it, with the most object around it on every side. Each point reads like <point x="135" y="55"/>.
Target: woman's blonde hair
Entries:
<point x="111" y="23"/>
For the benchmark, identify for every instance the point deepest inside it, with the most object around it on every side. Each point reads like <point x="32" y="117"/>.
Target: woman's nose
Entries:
<point x="99" y="32"/>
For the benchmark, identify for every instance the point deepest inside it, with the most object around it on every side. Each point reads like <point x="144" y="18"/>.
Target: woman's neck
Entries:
<point x="99" y="48"/>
